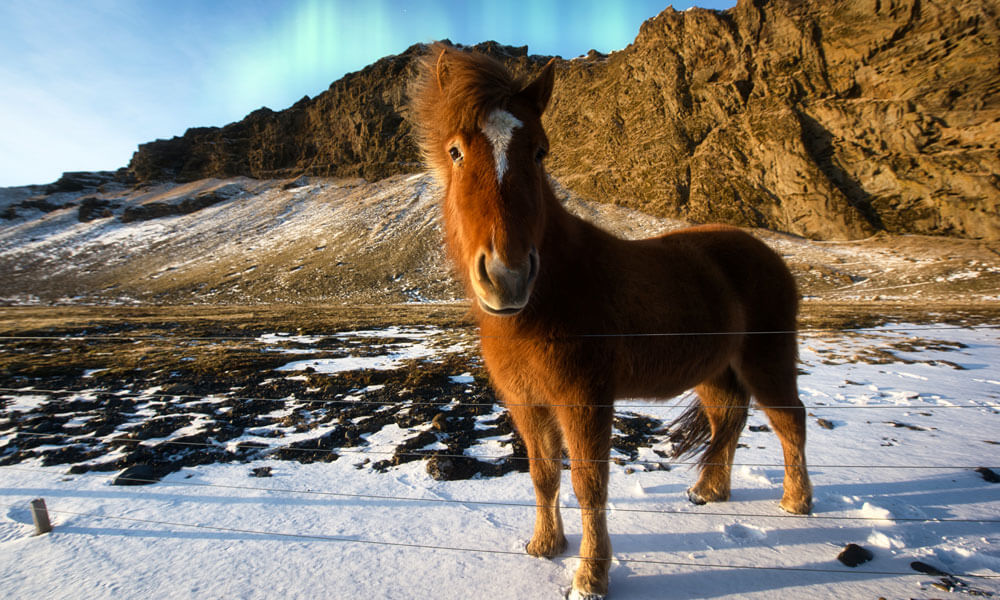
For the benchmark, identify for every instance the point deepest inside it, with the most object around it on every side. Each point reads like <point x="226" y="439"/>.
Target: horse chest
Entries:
<point x="544" y="366"/>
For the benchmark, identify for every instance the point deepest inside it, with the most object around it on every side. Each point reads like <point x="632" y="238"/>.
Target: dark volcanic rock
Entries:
<point x="93" y="208"/>
<point x="75" y="181"/>
<point x="31" y="204"/>
<point x="988" y="474"/>
<point x="183" y="206"/>
<point x="853" y="555"/>
<point x="828" y="120"/>
<point x="137" y="475"/>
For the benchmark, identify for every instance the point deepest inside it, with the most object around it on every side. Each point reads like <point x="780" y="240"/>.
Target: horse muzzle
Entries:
<point x="503" y="290"/>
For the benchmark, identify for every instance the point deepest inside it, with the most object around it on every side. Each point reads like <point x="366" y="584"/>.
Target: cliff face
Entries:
<point x="823" y="119"/>
<point x="827" y="120"/>
<point x="355" y="128"/>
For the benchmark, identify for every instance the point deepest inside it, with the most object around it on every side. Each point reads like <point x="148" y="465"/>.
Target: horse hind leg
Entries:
<point x="724" y="406"/>
<point x="788" y="418"/>
<point x="770" y="372"/>
<point x="540" y="432"/>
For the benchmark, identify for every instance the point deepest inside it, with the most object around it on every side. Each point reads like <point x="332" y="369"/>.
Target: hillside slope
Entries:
<point x="344" y="241"/>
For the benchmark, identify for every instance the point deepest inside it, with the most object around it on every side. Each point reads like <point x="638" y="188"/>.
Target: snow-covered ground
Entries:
<point x="900" y="418"/>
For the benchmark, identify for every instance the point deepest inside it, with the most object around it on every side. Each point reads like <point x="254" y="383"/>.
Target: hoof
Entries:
<point x="575" y="594"/>
<point x="695" y="497"/>
<point x="703" y="494"/>
<point x="588" y="585"/>
<point x="548" y="550"/>
<point x="797" y="507"/>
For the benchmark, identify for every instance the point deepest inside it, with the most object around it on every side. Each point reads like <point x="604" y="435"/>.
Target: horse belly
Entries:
<point x="670" y="365"/>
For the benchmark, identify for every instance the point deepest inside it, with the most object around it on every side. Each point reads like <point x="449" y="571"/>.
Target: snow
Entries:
<point x="914" y="411"/>
<point x="416" y="349"/>
<point x="274" y="338"/>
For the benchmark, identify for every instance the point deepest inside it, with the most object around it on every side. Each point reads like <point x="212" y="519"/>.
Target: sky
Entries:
<point x="84" y="82"/>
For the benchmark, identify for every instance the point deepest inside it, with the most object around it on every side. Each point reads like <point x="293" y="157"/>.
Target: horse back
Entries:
<point x="756" y="275"/>
<point x="705" y="287"/>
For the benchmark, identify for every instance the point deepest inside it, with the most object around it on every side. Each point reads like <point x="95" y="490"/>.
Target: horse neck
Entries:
<point x="573" y="249"/>
<point x="572" y="255"/>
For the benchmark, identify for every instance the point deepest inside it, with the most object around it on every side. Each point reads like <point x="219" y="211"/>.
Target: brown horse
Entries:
<point x="559" y="303"/>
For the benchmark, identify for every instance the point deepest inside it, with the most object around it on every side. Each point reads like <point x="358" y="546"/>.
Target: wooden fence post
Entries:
<point x="40" y="515"/>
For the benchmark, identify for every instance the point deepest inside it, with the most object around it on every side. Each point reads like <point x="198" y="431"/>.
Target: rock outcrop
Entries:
<point x="826" y="120"/>
<point x="355" y="128"/>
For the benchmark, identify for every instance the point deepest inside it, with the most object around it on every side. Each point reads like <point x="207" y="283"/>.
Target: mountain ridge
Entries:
<point x="828" y="121"/>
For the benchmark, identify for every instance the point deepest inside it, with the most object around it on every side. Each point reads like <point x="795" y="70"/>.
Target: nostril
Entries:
<point x="533" y="264"/>
<point x="481" y="270"/>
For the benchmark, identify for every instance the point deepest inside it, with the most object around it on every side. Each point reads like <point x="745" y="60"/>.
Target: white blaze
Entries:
<point x="499" y="129"/>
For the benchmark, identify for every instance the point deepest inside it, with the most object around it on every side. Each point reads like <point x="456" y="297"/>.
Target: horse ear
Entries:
<point x="441" y="69"/>
<point x="540" y="90"/>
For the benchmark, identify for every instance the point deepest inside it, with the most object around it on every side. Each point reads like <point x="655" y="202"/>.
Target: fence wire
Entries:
<point x="493" y="458"/>
<point x="651" y="404"/>
<point x="462" y="502"/>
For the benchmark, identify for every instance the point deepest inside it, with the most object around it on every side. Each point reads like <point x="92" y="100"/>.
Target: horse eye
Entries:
<point x="456" y="154"/>
<point x="540" y="154"/>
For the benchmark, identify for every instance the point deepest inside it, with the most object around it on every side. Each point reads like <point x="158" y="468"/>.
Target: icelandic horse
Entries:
<point x="572" y="318"/>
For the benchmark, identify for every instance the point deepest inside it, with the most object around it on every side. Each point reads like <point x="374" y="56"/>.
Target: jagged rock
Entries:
<point x="260" y="472"/>
<point x="37" y="203"/>
<point x="141" y="474"/>
<point x="181" y="206"/>
<point x="75" y="181"/>
<point x="149" y="211"/>
<point x="826" y="120"/>
<point x="93" y="208"/>
<point x="988" y="474"/>
<point x="354" y="129"/>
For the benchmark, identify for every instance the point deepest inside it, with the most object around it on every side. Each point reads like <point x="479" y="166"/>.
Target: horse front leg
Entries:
<point x="587" y="431"/>
<point x="540" y="432"/>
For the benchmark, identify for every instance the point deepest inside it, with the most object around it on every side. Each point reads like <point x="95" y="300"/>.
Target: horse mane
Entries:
<point x="454" y="91"/>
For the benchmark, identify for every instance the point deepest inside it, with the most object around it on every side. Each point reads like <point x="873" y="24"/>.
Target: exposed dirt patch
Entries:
<point x="106" y="389"/>
<point x="171" y="388"/>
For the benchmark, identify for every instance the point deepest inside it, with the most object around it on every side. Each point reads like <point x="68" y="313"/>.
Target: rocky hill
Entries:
<point x="826" y="120"/>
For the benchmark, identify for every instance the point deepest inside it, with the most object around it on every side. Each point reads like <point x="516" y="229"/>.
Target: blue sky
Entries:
<point x="83" y="82"/>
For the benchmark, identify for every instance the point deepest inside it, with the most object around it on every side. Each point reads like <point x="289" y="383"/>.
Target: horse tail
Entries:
<point x="712" y="432"/>
<point x="690" y="432"/>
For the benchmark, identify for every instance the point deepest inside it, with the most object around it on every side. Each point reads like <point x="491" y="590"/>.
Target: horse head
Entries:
<point x="481" y="132"/>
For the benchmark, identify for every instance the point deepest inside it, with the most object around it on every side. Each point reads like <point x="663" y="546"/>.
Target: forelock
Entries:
<point x="472" y="87"/>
